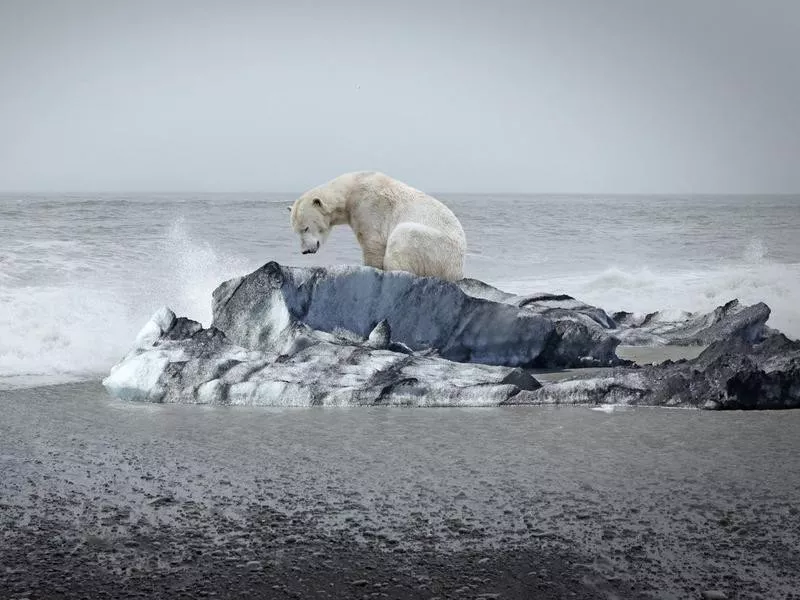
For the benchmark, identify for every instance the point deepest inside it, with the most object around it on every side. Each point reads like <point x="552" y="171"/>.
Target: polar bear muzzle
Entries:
<point x="311" y="248"/>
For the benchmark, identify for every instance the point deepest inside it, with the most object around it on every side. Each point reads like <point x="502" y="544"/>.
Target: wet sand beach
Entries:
<point x="101" y="498"/>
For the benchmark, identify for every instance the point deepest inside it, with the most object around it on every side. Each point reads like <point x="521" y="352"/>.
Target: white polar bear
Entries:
<point x="398" y="227"/>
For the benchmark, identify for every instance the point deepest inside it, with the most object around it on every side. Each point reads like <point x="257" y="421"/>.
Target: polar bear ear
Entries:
<point x="318" y="204"/>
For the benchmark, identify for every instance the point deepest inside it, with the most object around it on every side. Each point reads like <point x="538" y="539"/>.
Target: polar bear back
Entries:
<point x="419" y="233"/>
<point x="388" y="198"/>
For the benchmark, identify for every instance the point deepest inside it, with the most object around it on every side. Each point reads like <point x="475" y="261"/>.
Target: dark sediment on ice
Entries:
<point x="360" y="336"/>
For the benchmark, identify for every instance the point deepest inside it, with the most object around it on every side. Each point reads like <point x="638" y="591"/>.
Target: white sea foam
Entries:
<point x="80" y="328"/>
<point x="195" y="269"/>
<point x="645" y="290"/>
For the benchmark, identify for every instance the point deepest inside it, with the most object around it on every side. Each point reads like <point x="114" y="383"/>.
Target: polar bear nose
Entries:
<point x="312" y="250"/>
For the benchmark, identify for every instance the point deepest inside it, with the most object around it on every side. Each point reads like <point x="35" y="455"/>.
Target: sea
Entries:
<point x="80" y="274"/>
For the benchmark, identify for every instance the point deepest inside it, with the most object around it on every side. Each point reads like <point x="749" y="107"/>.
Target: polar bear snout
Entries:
<point x="309" y="246"/>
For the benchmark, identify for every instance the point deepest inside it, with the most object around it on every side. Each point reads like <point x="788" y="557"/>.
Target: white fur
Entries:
<point x="398" y="227"/>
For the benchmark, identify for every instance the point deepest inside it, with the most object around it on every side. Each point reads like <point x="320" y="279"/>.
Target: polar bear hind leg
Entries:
<point x="424" y="251"/>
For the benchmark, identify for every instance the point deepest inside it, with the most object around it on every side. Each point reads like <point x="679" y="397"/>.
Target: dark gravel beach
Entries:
<point x="102" y="499"/>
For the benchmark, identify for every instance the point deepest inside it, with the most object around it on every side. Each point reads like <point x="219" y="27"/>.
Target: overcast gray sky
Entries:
<point x="530" y="96"/>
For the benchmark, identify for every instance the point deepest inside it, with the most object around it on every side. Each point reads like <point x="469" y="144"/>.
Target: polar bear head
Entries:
<point x="311" y="220"/>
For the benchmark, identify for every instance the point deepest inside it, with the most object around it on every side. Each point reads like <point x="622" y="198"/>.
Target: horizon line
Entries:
<point x="434" y="193"/>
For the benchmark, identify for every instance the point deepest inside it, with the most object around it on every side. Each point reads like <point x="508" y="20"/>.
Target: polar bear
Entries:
<point x="398" y="227"/>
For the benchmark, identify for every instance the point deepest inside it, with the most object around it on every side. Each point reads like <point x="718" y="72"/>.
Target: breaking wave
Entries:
<point x="78" y="328"/>
<point x="644" y="290"/>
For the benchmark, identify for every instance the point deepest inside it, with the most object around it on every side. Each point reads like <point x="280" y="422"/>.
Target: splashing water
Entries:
<point x="79" y="328"/>
<point x="644" y="291"/>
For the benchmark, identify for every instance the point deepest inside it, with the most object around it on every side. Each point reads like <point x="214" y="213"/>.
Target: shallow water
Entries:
<point x="80" y="274"/>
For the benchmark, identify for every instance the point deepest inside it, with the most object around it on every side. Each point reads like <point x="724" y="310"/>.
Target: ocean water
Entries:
<point x="80" y="274"/>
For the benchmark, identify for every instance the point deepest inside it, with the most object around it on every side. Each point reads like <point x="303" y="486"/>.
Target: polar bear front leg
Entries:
<point x="373" y="252"/>
<point x="373" y="259"/>
<point x="372" y="249"/>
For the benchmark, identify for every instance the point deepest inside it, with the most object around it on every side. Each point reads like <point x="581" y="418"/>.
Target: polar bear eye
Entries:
<point x="305" y="230"/>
